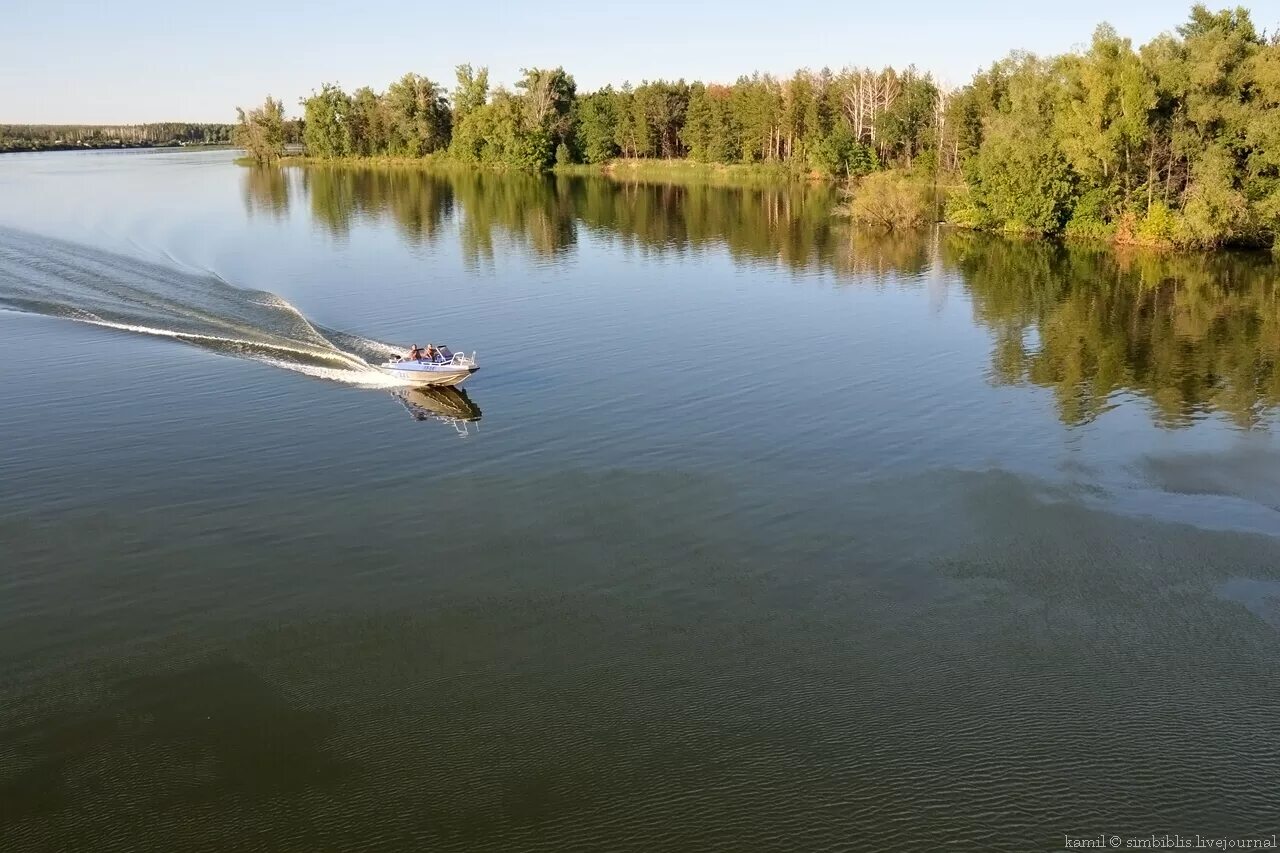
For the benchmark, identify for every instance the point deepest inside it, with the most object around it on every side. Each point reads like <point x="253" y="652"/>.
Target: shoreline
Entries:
<point x="622" y="170"/>
<point x="684" y="172"/>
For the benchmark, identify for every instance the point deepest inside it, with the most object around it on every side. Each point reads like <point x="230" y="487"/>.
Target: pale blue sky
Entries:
<point x="143" y="60"/>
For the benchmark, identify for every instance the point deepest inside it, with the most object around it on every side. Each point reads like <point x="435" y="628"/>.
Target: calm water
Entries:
<point x="752" y="533"/>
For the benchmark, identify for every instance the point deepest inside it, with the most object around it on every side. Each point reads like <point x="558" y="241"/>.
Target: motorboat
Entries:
<point x="442" y="367"/>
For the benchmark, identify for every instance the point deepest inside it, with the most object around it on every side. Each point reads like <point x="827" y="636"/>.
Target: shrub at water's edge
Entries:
<point x="890" y="200"/>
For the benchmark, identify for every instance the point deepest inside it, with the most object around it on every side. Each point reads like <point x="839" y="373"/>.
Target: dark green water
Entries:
<point x="752" y="533"/>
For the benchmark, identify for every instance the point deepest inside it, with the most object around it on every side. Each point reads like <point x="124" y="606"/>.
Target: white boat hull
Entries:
<point x="448" y="376"/>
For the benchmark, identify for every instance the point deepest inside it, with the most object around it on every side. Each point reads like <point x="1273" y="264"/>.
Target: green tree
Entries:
<point x="839" y="155"/>
<point x="367" y="123"/>
<point x="597" y="126"/>
<point x="471" y="93"/>
<point x="695" y="134"/>
<point x="905" y="128"/>
<point x="500" y="134"/>
<point x="756" y="108"/>
<point x="548" y="96"/>
<point x="632" y="133"/>
<point x="1103" y="121"/>
<point x="327" y="123"/>
<point x="260" y="132"/>
<point x="1262" y="141"/>
<point x="418" y="116"/>
<point x="662" y="107"/>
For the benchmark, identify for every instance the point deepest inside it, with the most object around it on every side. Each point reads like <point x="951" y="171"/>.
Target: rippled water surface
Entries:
<point x="752" y="532"/>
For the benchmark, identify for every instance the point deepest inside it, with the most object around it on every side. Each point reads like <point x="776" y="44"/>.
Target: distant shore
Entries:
<point x="29" y="138"/>
<point x="112" y="146"/>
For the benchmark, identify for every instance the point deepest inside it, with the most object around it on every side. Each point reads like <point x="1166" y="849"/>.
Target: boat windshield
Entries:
<point x="445" y="354"/>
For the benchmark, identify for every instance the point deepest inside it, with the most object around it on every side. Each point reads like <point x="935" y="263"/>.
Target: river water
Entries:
<point x="753" y="532"/>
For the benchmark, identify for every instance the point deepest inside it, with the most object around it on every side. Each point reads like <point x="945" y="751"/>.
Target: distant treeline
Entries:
<point x="59" y="137"/>
<point x="1175" y="142"/>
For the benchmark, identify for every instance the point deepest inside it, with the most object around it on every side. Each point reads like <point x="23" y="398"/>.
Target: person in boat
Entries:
<point x="415" y="353"/>
<point x="431" y="352"/>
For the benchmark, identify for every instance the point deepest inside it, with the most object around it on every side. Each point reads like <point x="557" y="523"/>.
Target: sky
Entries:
<point x="129" y="61"/>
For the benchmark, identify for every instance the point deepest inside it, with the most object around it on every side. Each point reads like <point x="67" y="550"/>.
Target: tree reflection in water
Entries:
<point x="1191" y="334"/>
<point x="266" y="190"/>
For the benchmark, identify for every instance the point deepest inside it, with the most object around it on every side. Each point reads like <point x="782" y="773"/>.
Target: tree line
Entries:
<point x="55" y="137"/>
<point x="1177" y="141"/>
<point x="838" y="124"/>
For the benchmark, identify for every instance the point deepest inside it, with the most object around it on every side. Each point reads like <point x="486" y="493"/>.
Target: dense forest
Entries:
<point x="64" y="137"/>
<point x="1174" y="142"/>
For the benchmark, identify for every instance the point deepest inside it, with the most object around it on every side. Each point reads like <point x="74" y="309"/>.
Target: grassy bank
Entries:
<point x="687" y="172"/>
<point x="691" y="172"/>
<point x="430" y="162"/>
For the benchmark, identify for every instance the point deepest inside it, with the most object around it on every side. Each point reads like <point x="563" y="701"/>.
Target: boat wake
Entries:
<point x="55" y="278"/>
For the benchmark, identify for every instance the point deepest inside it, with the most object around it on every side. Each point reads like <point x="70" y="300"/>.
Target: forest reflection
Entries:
<point x="266" y="190"/>
<point x="1192" y="334"/>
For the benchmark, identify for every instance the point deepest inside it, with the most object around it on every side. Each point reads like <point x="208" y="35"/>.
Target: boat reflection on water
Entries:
<point x="448" y="405"/>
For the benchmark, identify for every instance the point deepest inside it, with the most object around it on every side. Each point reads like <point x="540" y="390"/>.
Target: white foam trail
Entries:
<point x="361" y="373"/>
<point x="43" y="275"/>
<point x="377" y="346"/>
<point x="336" y="355"/>
<point x="372" y="378"/>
